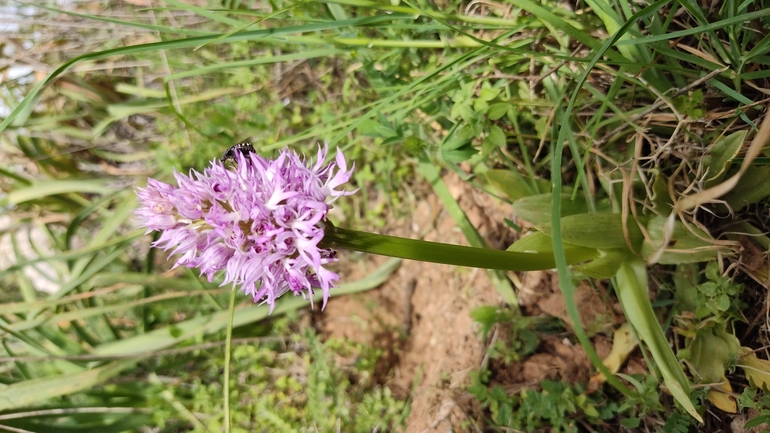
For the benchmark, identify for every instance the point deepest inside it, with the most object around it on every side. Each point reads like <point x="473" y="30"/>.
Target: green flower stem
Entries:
<point x="448" y="254"/>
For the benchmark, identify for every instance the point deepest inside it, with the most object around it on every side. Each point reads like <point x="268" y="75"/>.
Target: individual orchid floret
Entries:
<point x="260" y="221"/>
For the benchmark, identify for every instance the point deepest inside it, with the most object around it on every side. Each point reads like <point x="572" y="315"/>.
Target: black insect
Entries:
<point x="244" y="148"/>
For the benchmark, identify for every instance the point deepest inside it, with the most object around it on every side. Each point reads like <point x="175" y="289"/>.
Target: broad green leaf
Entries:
<point x="509" y="183"/>
<point x="600" y="230"/>
<point x="684" y="290"/>
<point x="458" y="154"/>
<point x="709" y="355"/>
<point x="535" y="241"/>
<point x="719" y="157"/>
<point x="536" y="209"/>
<point x="539" y="242"/>
<point x="385" y="131"/>
<point x="753" y="186"/>
<point x="606" y="265"/>
<point x="686" y="245"/>
<point x="480" y="106"/>
<point x="497" y="136"/>
<point x="496" y="111"/>
<point x="631" y="289"/>
<point x="488" y="94"/>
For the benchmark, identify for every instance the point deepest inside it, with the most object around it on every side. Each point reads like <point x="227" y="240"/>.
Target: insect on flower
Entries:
<point x="245" y="148"/>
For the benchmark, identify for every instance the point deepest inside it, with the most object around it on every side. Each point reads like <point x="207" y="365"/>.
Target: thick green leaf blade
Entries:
<point x="684" y="246"/>
<point x="509" y="183"/>
<point x="753" y="186"/>
<point x="631" y="289"/>
<point x="606" y="265"/>
<point x="539" y="242"/>
<point x="600" y="230"/>
<point x="536" y="209"/>
<point x="721" y="154"/>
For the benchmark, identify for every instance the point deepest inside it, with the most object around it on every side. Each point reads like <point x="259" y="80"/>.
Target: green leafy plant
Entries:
<point x="555" y="405"/>
<point x="521" y="339"/>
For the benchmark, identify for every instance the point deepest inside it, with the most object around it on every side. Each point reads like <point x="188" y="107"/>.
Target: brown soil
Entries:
<point x="421" y="319"/>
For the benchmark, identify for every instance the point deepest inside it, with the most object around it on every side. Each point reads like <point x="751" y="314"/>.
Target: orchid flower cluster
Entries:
<point x="264" y="222"/>
<point x="260" y="221"/>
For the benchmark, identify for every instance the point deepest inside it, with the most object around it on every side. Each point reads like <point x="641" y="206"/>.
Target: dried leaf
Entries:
<point x="623" y="343"/>
<point x="756" y="370"/>
<point x="720" y="397"/>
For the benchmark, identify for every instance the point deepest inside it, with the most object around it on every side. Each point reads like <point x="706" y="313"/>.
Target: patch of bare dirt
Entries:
<point x="421" y="318"/>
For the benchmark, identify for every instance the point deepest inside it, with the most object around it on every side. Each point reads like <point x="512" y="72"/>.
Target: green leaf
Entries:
<point x="45" y="188"/>
<point x="710" y="355"/>
<point x="496" y="111"/>
<point x="488" y="94"/>
<point x="630" y="422"/>
<point x="600" y="230"/>
<point x="540" y="242"/>
<point x="35" y="391"/>
<point x="661" y="200"/>
<point x="465" y="112"/>
<point x="480" y="106"/>
<point x="686" y="245"/>
<point x="719" y="157"/>
<point x="723" y="302"/>
<point x="509" y="183"/>
<point x="631" y="289"/>
<point x="536" y="209"/>
<point x="606" y="265"/>
<point x="368" y="127"/>
<point x="19" y="114"/>
<point x="385" y="131"/>
<point x="756" y="422"/>
<point x="497" y="136"/>
<point x="458" y="151"/>
<point x="708" y="288"/>
<point x="752" y="187"/>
